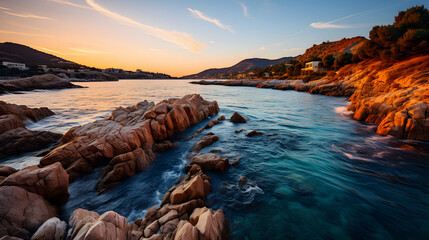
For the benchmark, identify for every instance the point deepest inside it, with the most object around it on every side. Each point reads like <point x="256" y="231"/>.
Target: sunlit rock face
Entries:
<point x="394" y="95"/>
<point x="126" y="138"/>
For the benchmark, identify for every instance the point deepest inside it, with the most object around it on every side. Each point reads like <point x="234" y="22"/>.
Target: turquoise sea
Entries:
<point x="315" y="173"/>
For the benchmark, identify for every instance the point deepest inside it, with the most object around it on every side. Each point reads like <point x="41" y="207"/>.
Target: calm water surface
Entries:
<point x="314" y="174"/>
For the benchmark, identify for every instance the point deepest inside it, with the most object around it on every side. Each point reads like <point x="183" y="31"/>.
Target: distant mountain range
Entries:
<point x="244" y="66"/>
<point x="13" y="52"/>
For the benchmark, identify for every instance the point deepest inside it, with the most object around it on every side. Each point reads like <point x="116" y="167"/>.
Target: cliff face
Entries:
<point x="394" y="95"/>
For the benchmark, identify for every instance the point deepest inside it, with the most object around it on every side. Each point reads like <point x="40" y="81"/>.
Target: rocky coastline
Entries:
<point x="46" y="81"/>
<point x="30" y="198"/>
<point x="393" y="95"/>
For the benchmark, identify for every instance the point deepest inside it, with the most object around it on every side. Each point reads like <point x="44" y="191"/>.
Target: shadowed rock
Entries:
<point x="253" y="133"/>
<point x="205" y="141"/>
<point x="237" y="118"/>
<point x="23" y="212"/>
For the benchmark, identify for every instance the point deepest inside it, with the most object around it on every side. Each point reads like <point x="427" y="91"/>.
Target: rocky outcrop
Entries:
<point x="237" y="118"/>
<point x="127" y="137"/>
<point x="50" y="182"/>
<point x="23" y="212"/>
<point x="21" y="140"/>
<point x="393" y="95"/>
<point x="254" y="133"/>
<point x="210" y="162"/>
<point x="214" y="122"/>
<point x="182" y="214"/>
<point x="89" y="225"/>
<point x="205" y="141"/>
<point x="52" y="229"/>
<point x="46" y="81"/>
<point x="14" y="137"/>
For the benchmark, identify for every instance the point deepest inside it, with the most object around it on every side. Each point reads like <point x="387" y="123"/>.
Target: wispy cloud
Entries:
<point x="263" y="48"/>
<point x="326" y="25"/>
<point x="48" y="50"/>
<point x="70" y="4"/>
<point x="88" y="51"/>
<point x="212" y="42"/>
<point x="244" y="9"/>
<point x="27" y="15"/>
<point x="200" y="15"/>
<point x="182" y="39"/>
<point x="3" y="8"/>
<point x="23" y="33"/>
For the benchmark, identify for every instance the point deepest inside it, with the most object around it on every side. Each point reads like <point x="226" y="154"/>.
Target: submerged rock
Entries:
<point x="237" y="118"/>
<point x="127" y="137"/>
<point x="253" y="133"/>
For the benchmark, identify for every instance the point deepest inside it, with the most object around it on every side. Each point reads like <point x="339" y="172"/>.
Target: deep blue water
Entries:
<point x="315" y="173"/>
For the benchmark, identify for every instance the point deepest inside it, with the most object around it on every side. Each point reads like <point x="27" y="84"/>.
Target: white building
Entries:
<point x="20" y="66"/>
<point x="311" y="66"/>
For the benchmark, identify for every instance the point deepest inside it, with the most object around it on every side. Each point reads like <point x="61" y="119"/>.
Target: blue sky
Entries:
<point x="184" y="37"/>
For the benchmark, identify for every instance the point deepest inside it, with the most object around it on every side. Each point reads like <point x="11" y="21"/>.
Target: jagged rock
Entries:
<point x="24" y="112"/>
<point x="239" y="131"/>
<point x="51" y="182"/>
<point x="89" y="225"/>
<point x="20" y="140"/>
<point x="191" y="190"/>
<point x="185" y="231"/>
<point x="253" y="133"/>
<point x="46" y="81"/>
<point x="125" y="131"/>
<point x="205" y="141"/>
<point x="237" y="118"/>
<point x="193" y="219"/>
<point x="23" y="212"/>
<point x="211" y="124"/>
<point x="10" y="121"/>
<point x="52" y="229"/>
<point x="213" y="225"/>
<point x="210" y="162"/>
<point x="7" y="237"/>
<point x="151" y="229"/>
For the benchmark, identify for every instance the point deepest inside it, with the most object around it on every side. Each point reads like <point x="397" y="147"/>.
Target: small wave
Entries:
<point x="168" y="175"/>
<point x="243" y="195"/>
<point x="343" y="111"/>
<point x="351" y="156"/>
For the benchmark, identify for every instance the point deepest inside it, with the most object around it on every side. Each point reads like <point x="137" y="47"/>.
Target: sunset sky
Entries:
<point x="185" y="37"/>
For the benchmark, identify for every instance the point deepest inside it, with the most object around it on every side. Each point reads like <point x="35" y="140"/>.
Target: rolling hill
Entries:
<point x="13" y="52"/>
<point x="244" y="66"/>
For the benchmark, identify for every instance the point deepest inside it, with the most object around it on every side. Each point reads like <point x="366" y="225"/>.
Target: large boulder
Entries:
<point x="86" y="225"/>
<point x="124" y="132"/>
<point x="52" y="229"/>
<point x="191" y="190"/>
<point x="23" y="212"/>
<point x="51" y="182"/>
<point x="210" y="162"/>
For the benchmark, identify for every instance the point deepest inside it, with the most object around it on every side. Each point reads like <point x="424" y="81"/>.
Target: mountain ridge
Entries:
<point x="244" y="66"/>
